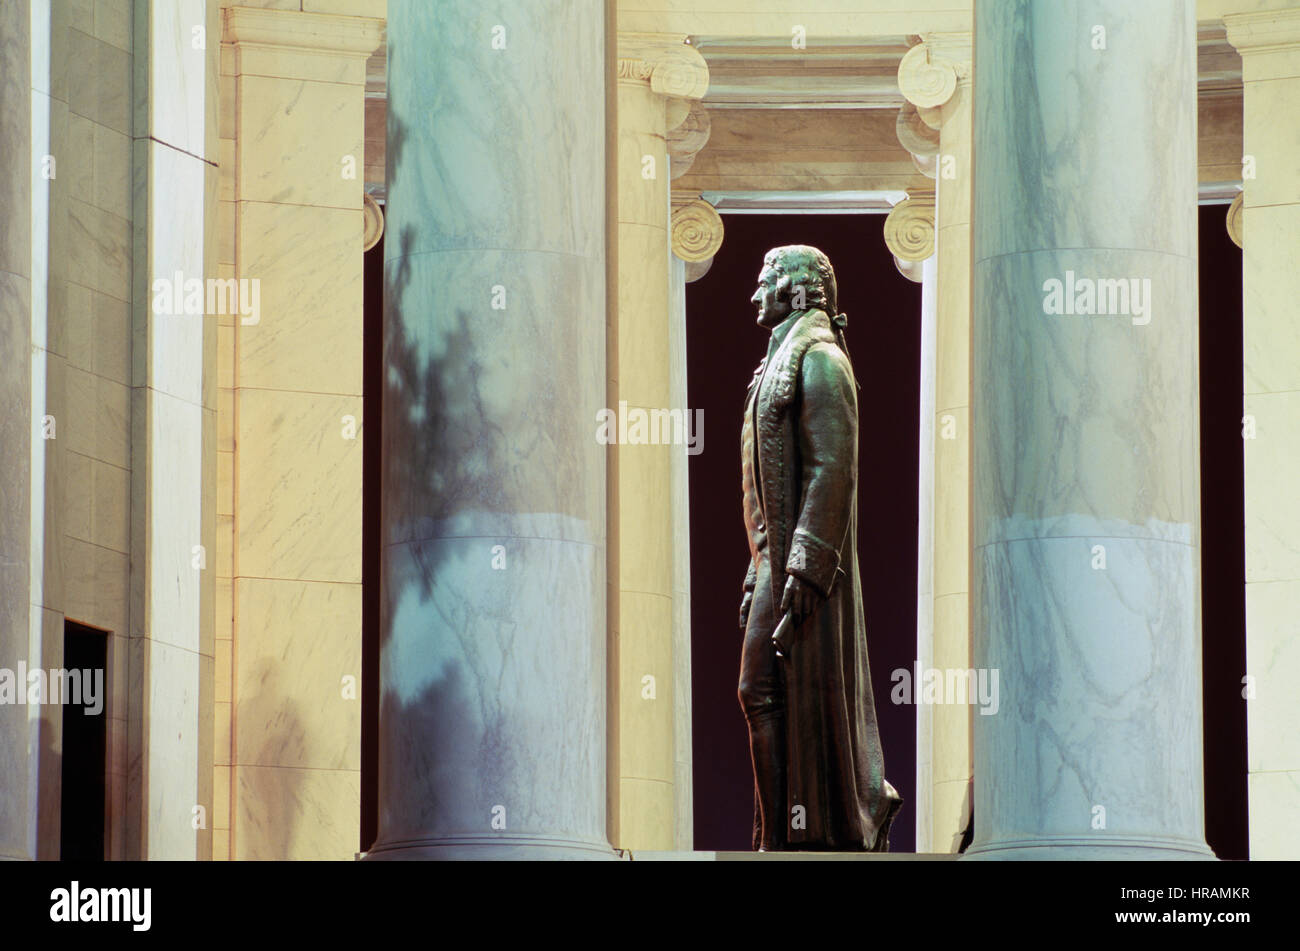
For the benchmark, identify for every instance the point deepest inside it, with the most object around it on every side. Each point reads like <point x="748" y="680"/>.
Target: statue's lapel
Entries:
<point x="775" y="395"/>
<point x="758" y="375"/>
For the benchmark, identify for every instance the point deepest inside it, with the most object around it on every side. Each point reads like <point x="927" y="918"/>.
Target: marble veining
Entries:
<point x="492" y="679"/>
<point x="1085" y="441"/>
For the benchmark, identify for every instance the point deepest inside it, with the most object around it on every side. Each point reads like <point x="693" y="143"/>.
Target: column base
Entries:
<point x="1114" y="848"/>
<point x="656" y="856"/>
<point x="502" y="847"/>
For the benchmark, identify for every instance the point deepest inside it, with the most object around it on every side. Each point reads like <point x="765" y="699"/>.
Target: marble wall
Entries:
<point x="91" y="299"/>
<point x="173" y="433"/>
<point x="291" y="429"/>
<point x="114" y="475"/>
<point x="76" y="201"/>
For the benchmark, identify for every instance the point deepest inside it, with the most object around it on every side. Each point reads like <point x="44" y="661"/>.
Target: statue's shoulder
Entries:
<point x="811" y="335"/>
<point x="825" y="360"/>
<point x="814" y="327"/>
<point x="816" y="319"/>
<point x="819" y="343"/>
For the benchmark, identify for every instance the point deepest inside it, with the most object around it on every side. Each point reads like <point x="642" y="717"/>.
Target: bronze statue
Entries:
<point x="805" y="686"/>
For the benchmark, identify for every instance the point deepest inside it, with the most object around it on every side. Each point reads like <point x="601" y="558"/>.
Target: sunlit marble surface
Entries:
<point x="1269" y="44"/>
<point x="291" y="422"/>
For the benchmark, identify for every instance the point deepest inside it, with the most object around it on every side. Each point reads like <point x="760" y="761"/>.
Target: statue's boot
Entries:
<point x="890" y="803"/>
<point x="767" y="746"/>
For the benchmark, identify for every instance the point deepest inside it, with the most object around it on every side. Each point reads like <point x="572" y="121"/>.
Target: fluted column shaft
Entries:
<point x="1086" y="506"/>
<point x="492" y="680"/>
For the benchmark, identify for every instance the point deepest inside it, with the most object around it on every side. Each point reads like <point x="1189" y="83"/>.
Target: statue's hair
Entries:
<point x="807" y="266"/>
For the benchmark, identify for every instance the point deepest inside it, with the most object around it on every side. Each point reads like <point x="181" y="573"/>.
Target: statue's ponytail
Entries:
<point x="840" y="323"/>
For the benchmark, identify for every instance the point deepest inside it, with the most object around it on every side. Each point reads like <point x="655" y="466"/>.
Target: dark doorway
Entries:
<point x="85" y="725"/>
<point x="724" y="345"/>
<point x="1223" y="537"/>
<point x="373" y="391"/>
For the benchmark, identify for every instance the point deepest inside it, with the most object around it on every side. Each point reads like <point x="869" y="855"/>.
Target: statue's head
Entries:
<point x="794" y="277"/>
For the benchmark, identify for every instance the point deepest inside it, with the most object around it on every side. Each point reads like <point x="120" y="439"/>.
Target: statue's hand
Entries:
<point x="799" y="599"/>
<point x="745" y="603"/>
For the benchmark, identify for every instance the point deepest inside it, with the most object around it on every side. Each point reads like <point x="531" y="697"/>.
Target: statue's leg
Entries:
<point x="762" y="698"/>
<point x="767" y="747"/>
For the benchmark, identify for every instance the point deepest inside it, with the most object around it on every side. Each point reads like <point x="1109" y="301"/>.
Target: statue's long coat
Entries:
<point x="806" y="453"/>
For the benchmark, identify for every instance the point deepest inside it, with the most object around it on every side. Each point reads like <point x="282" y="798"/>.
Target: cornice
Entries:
<point x="298" y="30"/>
<point x="1264" y="32"/>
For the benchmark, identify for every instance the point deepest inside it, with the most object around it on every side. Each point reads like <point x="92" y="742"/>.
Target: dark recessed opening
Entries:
<point x="1223" y="552"/>
<point x="373" y="390"/>
<point x="84" y="709"/>
<point x="723" y="346"/>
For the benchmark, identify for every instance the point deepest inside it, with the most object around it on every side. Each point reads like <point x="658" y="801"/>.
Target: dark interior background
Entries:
<point x="1223" y="534"/>
<point x="724" y="345"/>
<point x="373" y="392"/>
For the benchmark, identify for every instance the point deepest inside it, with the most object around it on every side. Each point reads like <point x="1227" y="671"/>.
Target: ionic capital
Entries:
<point x="914" y="134"/>
<point x="373" y="222"/>
<point x="909" y="233"/>
<point x="697" y="233"/>
<point x="665" y="61"/>
<point x="929" y="73"/>
<point x="685" y="139"/>
<point x="1234" y="220"/>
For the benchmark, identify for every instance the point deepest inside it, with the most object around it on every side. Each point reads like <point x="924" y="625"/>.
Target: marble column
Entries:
<point x="925" y="733"/>
<point x="21" y="749"/>
<point x="683" y="761"/>
<point x="1270" y="218"/>
<point x="696" y="235"/>
<point x="492" y="677"/>
<point x="659" y="77"/>
<point x="1086" y="507"/>
<point x="935" y="76"/>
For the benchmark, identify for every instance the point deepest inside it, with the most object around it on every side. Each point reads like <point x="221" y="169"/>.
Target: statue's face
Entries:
<point x="772" y="307"/>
